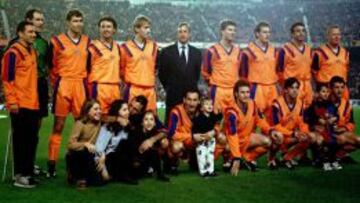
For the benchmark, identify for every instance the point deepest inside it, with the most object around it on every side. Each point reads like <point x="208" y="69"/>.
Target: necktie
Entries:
<point x="182" y="56"/>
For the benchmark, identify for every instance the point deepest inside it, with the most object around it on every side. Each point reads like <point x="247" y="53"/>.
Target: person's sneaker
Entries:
<point x="293" y="162"/>
<point x="272" y="165"/>
<point x="226" y="166"/>
<point x="24" y="182"/>
<point x="37" y="170"/>
<point x="336" y="166"/>
<point x="150" y="171"/>
<point x="81" y="184"/>
<point x="288" y="165"/>
<point x="212" y="175"/>
<point x="251" y="166"/>
<point x="205" y="175"/>
<point x="327" y="167"/>
<point x="51" y="173"/>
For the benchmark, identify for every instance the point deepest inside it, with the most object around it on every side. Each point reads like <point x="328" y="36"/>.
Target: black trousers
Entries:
<point x="150" y="158"/>
<point x="43" y="92"/>
<point x="328" y="152"/>
<point x="25" y="127"/>
<point x="120" y="163"/>
<point x="81" y="166"/>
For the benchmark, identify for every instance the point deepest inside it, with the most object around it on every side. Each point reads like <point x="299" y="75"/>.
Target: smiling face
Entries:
<point x="148" y="122"/>
<point x="191" y="101"/>
<point x="106" y="29"/>
<point x="124" y="111"/>
<point x="95" y="112"/>
<point x="28" y="35"/>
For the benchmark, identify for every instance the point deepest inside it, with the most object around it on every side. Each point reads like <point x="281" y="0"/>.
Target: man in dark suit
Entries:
<point x="179" y="68"/>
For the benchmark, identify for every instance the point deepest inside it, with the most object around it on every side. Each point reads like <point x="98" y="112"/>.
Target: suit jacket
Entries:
<point x="174" y="78"/>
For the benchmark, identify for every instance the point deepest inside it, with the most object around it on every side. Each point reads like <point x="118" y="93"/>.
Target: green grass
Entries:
<point x="305" y="184"/>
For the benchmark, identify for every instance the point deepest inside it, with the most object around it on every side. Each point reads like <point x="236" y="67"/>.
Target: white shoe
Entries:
<point x="293" y="162"/>
<point x="335" y="165"/>
<point x="327" y="167"/>
<point x="150" y="170"/>
<point x="24" y="182"/>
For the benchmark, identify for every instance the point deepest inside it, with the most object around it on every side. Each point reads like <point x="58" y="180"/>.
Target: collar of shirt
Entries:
<point x="179" y="45"/>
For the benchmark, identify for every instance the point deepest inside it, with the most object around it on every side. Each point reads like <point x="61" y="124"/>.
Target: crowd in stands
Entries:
<point x="204" y="19"/>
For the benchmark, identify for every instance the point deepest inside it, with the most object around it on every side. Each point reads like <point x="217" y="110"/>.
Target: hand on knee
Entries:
<point x="164" y="143"/>
<point x="221" y="139"/>
<point x="177" y="147"/>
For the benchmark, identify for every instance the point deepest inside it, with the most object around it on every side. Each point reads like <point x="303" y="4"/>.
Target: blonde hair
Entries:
<point x="140" y="20"/>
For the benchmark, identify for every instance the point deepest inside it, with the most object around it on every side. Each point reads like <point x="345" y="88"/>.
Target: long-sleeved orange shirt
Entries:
<point x="239" y="125"/>
<point x="19" y="76"/>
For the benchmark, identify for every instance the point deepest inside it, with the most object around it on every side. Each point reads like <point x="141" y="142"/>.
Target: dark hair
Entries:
<point x="115" y="107"/>
<point x="290" y="82"/>
<point x="115" y="127"/>
<point x="149" y="112"/>
<point x="261" y="25"/>
<point x="240" y="83"/>
<point x="142" y="100"/>
<point x="225" y="23"/>
<point x="205" y="98"/>
<point x="73" y="13"/>
<point x="293" y="26"/>
<point x="85" y="108"/>
<point x="30" y="13"/>
<point x="336" y="79"/>
<point x="191" y="90"/>
<point x="109" y="19"/>
<point x="22" y="25"/>
<point x="321" y="85"/>
<point x="154" y="130"/>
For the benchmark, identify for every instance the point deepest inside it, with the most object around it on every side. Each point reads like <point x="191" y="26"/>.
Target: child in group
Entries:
<point x="146" y="143"/>
<point x="322" y="117"/>
<point x="203" y="131"/>
<point x="81" y="148"/>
